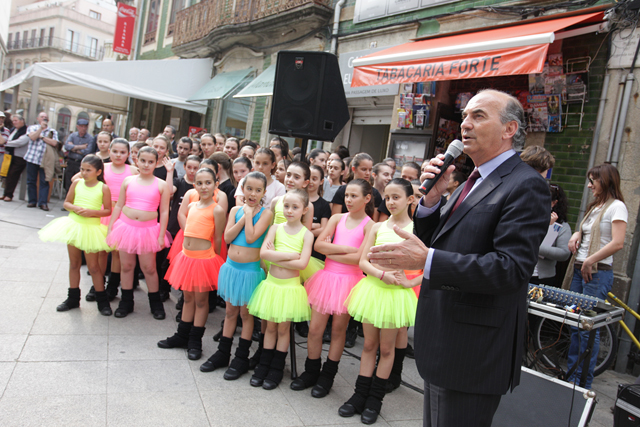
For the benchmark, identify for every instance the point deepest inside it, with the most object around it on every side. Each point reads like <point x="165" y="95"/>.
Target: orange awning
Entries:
<point x="518" y="49"/>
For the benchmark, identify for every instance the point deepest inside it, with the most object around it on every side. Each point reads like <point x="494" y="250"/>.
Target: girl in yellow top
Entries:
<point x="88" y="200"/>
<point x="384" y="303"/>
<point x="280" y="298"/>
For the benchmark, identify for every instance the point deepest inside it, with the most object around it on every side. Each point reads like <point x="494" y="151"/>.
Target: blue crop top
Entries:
<point x="241" y="238"/>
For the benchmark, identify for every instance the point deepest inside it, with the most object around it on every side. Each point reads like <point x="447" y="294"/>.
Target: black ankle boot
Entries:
<point x="325" y="380"/>
<point x="103" y="303"/>
<point x="91" y="295"/>
<point x="180" y="339"/>
<point x="374" y="401"/>
<point x="195" y="343"/>
<point x="255" y="359"/>
<point x="262" y="369"/>
<point x="355" y="404"/>
<point x="395" y="378"/>
<point x="240" y="364"/>
<point x="218" y="334"/>
<point x="156" y="306"/>
<point x="220" y="358"/>
<point x="72" y="301"/>
<point x="112" y="286"/>
<point x="310" y="375"/>
<point x="126" y="303"/>
<point x="276" y="370"/>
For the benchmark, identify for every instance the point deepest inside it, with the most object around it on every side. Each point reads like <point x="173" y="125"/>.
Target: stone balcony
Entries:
<point x="213" y="26"/>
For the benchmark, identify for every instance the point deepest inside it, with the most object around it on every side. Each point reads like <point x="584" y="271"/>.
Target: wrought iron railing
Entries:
<point x="195" y="22"/>
<point x="92" y="52"/>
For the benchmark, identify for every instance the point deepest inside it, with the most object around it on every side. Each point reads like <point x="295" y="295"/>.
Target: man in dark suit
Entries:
<point x="478" y="253"/>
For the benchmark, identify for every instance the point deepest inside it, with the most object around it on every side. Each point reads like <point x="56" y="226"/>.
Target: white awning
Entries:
<point x="106" y="85"/>
<point x="261" y="85"/>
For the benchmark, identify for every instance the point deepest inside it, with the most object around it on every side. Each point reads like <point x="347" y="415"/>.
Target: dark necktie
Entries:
<point x="468" y="185"/>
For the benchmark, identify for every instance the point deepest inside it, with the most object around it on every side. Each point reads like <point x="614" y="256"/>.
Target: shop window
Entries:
<point x="63" y="121"/>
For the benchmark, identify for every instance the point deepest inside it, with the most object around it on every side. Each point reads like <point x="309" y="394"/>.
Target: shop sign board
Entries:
<point x="367" y="10"/>
<point x="345" y="61"/>
<point x="500" y="62"/>
<point x="125" y="24"/>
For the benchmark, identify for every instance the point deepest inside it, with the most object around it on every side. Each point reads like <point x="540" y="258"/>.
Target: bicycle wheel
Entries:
<point x="552" y="340"/>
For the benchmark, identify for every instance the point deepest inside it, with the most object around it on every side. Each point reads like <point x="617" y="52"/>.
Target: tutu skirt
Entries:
<point x="329" y="288"/>
<point x="85" y="236"/>
<point x="195" y="271"/>
<point x="237" y="281"/>
<point x="280" y="300"/>
<point x="176" y="246"/>
<point x="136" y="237"/>
<point x="313" y="267"/>
<point x="382" y="305"/>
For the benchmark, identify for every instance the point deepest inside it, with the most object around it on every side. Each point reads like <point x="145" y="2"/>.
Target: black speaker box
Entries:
<point x="627" y="409"/>
<point x="308" y="96"/>
<point x="540" y="400"/>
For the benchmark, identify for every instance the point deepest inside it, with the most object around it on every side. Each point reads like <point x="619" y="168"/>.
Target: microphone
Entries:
<point x="454" y="150"/>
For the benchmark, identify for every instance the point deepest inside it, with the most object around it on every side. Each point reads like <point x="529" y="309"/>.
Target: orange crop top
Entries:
<point x="200" y="223"/>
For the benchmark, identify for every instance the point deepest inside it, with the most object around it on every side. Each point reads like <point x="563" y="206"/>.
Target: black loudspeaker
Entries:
<point x="627" y="409"/>
<point x="308" y="96"/>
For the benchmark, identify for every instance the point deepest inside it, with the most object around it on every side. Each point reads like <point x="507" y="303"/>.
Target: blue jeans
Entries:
<point x="42" y="196"/>
<point x="599" y="286"/>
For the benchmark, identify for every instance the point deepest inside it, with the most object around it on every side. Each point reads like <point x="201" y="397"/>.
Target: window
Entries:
<point x="25" y="38"/>
<point x="95" y="15"/>
<point x="64" y="120"/>
<point x="26" y="64"/>
<point x="51" y="32"/>
<point x="10" y="40"/>
<point x="18" y="67"/>
<point x="91" y="49"/>
<point x="4" y="72"/>
<point x="10" y="69"/>
<point x="72" y="41"/>
<point x="42" y="35"/>
<point x="177" y="6"/>
<point x="152" y="21"/>
<point x="32" y="42"/>
<point x="17" y="42"/>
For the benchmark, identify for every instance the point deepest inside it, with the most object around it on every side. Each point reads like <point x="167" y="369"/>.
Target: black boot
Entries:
<point x="220" y="358"/>
<point x="91" y="295"/>
<point x="218" y="334"/>
<point x="126" y="303"/>
<point x="395" y="378"/>
<point x="155" y="304"/>
<point x="310" y="375"/>
<point x="72" y="301"/>
<point x="325" y="380"/>
<point x="180" y="302"/>
<point x="112" y="286"/>
<point x="103" y="303"/>
<point x="257" y="327"/>
<point x="374" y="400"/>
<point x="195" y="343"/>
<point x="240" y="364"/>
<point x="262" y="369"/>
<point x="180" y="339"/>
<point x="352" y="334"/>
<point x="355" y="404"/>
<point x="213" y="300"/>
<point x="276" y="371"/>
<point x="255" y="359"/>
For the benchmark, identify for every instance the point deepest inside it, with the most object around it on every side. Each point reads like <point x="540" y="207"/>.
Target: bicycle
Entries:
<point x="551" y="339"/>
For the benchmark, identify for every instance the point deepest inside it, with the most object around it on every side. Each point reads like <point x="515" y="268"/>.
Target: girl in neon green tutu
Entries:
<point x="88" y="200"/>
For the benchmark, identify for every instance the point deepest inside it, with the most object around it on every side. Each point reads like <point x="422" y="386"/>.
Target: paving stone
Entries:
<point x="150" y="376"/>
<point x="156" y="410"/>
<point x="58" y="379"/>
<point x="53" y="411"/>
<point x="48" y="348"/>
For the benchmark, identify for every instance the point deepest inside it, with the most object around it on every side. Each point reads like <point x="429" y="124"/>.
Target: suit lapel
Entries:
<point x="483" y="189"/>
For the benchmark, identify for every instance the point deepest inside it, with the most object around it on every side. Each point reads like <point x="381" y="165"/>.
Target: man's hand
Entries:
<point x="431" y="171"/>
<point x="410" y="254"/>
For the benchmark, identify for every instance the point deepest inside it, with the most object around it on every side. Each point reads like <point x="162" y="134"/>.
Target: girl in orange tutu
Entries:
<point x="195" y="270"/>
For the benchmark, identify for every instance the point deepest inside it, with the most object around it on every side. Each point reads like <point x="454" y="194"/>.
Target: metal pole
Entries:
<point x="629" y="319"/>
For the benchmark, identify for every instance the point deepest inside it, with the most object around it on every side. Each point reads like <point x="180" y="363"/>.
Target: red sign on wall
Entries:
<point x="124" y="29"/>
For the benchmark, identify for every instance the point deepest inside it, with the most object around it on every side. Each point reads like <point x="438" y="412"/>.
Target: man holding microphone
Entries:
<point x="477" y="252"/>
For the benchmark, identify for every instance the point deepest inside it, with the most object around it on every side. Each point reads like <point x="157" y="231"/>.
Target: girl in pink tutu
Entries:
<point x="134" y="230"/>
<point x="341" y="241"/>
<point x="194" y="271"/>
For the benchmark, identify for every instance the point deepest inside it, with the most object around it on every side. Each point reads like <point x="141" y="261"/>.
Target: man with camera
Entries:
<point x="39" y="134"/>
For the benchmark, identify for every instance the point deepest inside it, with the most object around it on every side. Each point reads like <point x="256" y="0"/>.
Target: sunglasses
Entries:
<point x="591" y="181"/>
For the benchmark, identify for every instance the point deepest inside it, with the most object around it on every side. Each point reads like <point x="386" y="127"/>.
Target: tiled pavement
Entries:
<point x="82" y="369"/>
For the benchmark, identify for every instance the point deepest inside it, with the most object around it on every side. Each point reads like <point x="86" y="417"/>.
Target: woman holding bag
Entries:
<point x="600" y="234"/>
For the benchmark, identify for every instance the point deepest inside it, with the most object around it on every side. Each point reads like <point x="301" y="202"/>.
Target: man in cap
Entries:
<point x="78" y="145"/>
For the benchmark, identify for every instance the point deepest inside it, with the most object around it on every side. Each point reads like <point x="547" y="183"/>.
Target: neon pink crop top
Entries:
<point x="346" y="237"/>
<point x="114" y="180"/>
<point x="143" y="197"/>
